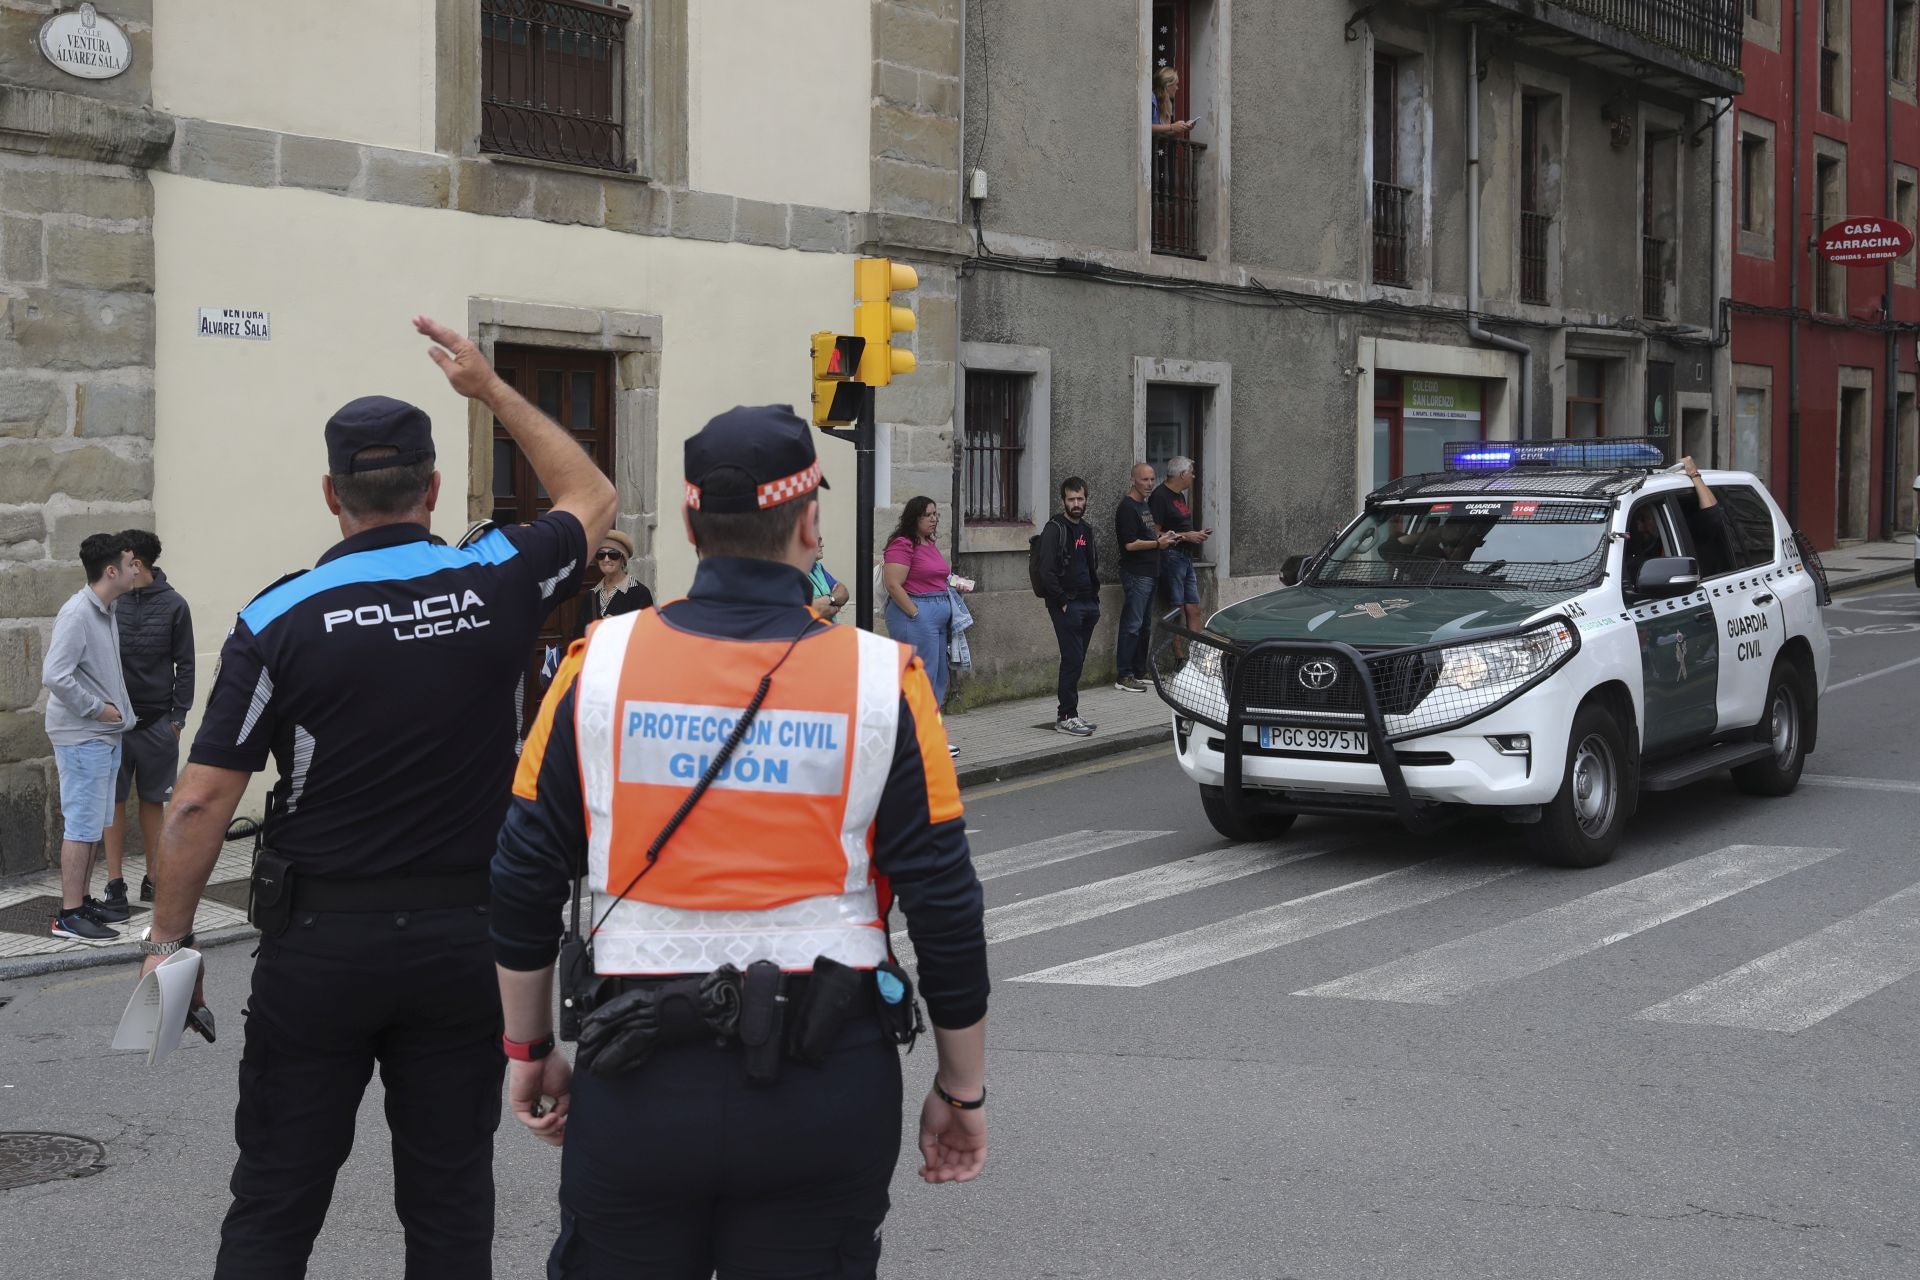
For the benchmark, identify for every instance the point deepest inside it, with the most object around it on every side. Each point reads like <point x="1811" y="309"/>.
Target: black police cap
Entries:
<point x="378" y="422"/>
<point x="750" y="458"/>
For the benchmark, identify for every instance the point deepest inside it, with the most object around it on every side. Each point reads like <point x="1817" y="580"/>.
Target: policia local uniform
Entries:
<point x="730" y="1145"/>
<point x="382" y="684"/>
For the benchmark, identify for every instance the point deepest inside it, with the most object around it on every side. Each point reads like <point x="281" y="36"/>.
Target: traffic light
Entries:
<point x="836" y="396"/>
<point x="877" y="319"/>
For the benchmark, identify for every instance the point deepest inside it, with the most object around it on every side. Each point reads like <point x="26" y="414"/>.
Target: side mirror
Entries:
<point x="1665" y="576"/>
<point x="1292" y="569"/>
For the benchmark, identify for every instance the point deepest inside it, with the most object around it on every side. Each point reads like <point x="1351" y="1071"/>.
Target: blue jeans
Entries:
<point x="1178" y="578"/>
<point x="88" y="771"/>
<point x="927" y="634"/>
<point x="1072" y="631"/>
<point x="1136" y="625"/>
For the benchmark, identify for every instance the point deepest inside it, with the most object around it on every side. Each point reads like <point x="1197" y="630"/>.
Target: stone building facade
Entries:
<point x="1289" y="294"/>
<point x="338" y="168"/>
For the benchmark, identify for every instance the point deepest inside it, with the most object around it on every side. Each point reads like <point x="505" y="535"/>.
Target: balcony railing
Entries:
<point x="1534" y="228"/>
<point x="1653" y="278"/>
<point x="1690" y="47"/>
<point x="1392" y="221"/>
<point x="1176" y="197"/>
<point x="552" y="81"/>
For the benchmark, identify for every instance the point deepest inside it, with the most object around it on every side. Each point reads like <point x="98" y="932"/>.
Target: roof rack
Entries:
<point x="1532" y="483"/>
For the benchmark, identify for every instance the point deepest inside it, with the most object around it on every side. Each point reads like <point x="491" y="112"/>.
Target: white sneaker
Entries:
<point x="953" y="750"/>
<point x="1074" y="725"/>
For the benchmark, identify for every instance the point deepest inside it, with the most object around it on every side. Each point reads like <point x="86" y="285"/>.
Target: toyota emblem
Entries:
<point x="1318" y="674"/>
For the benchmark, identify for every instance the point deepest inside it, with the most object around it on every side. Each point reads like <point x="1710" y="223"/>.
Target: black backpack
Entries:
<point x="1034" y="575"/>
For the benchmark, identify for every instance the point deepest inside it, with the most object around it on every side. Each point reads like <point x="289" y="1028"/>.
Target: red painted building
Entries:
<point x="1824" y="356"/>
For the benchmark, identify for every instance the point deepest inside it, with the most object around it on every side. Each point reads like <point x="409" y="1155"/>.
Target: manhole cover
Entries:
<point x="27" y="1158"/>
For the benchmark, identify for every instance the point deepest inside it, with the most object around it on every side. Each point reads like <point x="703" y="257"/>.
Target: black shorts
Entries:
<point x="151" y="756"/>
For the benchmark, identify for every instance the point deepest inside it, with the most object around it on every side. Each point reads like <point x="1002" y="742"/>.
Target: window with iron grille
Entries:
<point x="553" y="81"/>
<point x="1535" y="222"/>
<point x="995" y="447"/>
<point x="1829" y="205"/>
<point x="1835" y="95"/>
<point x="1392" y="201"/>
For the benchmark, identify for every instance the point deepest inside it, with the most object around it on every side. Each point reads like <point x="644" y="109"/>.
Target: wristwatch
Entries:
<point x="529" y="1050"/>
<point x="148" y="947"/>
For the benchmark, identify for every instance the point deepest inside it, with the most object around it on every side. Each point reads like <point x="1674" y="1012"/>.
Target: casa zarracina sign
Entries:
<point x="82" y="43"/>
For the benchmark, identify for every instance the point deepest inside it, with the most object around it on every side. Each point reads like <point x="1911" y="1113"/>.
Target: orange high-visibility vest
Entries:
<point x="774" y="863"/>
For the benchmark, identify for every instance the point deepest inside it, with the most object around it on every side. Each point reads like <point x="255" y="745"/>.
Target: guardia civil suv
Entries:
<point x="1542" y="630"/>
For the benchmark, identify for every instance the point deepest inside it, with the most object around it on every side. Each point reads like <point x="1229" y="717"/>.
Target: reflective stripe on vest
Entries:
<point x="773" y="863"/>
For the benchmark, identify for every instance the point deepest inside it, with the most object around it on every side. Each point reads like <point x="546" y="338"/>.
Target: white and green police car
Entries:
<point x="1542" y="630"/>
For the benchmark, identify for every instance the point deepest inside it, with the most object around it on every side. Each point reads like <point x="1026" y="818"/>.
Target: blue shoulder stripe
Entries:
<point x="384" y="564"/>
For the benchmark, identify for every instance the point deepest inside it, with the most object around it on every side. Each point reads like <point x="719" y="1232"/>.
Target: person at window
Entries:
<point x="1712" y="536"/>
<point x="1166" y="86"/>
<point x="915" y="577"/>
<point x="618" y="591"/>
<point x="1645" y="540"/>
<point x="829" y="593"/>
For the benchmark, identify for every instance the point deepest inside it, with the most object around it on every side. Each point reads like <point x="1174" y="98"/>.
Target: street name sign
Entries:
<point x="233" y="322"/>
<point x="82" y="43"/>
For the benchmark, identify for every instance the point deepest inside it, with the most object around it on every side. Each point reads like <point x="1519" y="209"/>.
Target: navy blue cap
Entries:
<point x="376" y="421"/>
<point x="750" y="458"/>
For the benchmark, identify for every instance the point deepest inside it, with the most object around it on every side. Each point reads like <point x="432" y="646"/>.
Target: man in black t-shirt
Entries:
<point x="381" y="682"/>
<point x="1172" y="505"/>
<point x="1141" y="541"/>
<point x="1070" y="573"/>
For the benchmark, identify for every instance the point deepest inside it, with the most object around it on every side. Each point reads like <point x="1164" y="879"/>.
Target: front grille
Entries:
<point x="1274" y="683"/>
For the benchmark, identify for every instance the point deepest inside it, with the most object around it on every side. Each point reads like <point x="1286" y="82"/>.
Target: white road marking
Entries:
<point x="1812" y="979"/>
<point x="1547" y="938"/>
<point x="1116" y="893"/>
<point x="1874" y="675"/>
<point x="1044" y="853"/>
<point x="1858" y="784"/>
<point x="1272" y="927"/>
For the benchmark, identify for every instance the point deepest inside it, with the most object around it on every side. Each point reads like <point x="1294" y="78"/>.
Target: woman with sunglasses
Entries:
<point x="619" y="591"/>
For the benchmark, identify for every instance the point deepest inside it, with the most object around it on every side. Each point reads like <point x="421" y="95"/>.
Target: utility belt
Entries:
<point x="772" y="1015"/>
<point x="278" y="891"/>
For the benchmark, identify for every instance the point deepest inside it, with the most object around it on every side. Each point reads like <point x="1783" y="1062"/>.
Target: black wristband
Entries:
<point x="955" y="1103"/>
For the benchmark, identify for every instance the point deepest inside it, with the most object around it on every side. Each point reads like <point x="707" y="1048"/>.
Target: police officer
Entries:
<point x="382" y="684"/>
<point x="743" y="787"/>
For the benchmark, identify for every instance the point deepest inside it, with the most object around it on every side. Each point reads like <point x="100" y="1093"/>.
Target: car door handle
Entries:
<point x="1765" y="597"/>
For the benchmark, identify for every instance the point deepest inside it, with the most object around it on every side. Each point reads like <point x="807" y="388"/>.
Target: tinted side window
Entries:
<point x="1754" y="541"/>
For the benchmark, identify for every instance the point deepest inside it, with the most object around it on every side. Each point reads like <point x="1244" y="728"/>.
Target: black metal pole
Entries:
<point x="863" y="438"/>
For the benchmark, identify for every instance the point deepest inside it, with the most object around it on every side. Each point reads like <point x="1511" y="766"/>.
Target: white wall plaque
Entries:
<point x="82" y="43"/>
<point x="234" y="322"/>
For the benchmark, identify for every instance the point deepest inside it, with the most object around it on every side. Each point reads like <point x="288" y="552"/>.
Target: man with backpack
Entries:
<point x="1064" y="564"/>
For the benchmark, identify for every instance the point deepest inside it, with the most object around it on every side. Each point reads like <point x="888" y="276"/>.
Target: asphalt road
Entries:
<point x="1350" y="1053"/>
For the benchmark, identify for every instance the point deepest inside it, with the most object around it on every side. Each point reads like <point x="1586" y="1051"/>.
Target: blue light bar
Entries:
<point x="1565" y="455"/>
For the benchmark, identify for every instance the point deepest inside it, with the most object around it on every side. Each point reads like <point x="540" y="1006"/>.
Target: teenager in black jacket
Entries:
<point x="1070" y="576"/>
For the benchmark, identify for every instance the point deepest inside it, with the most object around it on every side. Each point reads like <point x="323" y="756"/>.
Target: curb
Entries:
<point x="1869" y="578"/>
<point x="119" y="953"/>
<point x="1044" y="761"/>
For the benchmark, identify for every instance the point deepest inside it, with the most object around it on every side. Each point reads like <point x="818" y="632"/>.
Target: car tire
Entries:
<point x="1252" y="826"/>
<point x="1581" y="825"/>
<point x="1783" y="723"/>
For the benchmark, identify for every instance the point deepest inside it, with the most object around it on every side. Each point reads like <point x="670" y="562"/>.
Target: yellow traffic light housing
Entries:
<point x="877" y="319"/>
<point x="836" y="397"/>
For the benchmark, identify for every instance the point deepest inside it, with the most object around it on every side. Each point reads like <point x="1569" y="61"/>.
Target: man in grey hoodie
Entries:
<point x="156" y="653"/>
<point x="86" y="715"/>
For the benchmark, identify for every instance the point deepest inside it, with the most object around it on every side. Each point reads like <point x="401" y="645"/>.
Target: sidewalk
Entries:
<point x="1867" y="563"/>
<point x="1010" y="739"/>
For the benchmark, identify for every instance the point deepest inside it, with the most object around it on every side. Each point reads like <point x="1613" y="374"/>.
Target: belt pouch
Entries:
<point x="270" y="894"/>
<point x="832" y="994"/>
<point x="893" y="999"/>
<point x="763" y="1010"/>
<point x="579" y="986"/>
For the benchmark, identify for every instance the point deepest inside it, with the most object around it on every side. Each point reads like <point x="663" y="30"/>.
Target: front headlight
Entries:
<point x="1206" y="661"/>
<point x="1500" y="666"/>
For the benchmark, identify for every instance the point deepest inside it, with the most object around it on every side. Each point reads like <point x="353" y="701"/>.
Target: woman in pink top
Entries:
<point x="915" y="576"/>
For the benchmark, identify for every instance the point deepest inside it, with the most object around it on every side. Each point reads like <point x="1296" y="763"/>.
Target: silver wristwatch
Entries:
<point x="148" y="947"/>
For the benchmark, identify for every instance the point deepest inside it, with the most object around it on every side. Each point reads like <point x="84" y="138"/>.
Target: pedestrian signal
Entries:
<point x="836" y="397"/>
<point x="877" y="319"/>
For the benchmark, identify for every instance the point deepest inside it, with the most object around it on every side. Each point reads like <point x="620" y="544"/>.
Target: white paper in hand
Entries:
<point x="156" y="1016"/>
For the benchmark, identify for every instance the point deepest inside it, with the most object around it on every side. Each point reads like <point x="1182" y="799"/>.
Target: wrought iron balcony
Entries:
<point x="1392" y="222"/>
<point x="1176" y="197"/>
<point x="1653" y="278"/>
<point x="1534" y="230"/>
<point x="1688" y="47"/>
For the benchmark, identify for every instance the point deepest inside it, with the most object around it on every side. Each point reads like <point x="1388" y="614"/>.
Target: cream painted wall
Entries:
<point x="361" y="70"/>
<point x="781" y="99"/>
<point x="237" y="443"/>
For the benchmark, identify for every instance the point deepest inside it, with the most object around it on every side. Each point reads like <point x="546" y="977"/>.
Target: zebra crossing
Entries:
<point x="1788" y="990"/>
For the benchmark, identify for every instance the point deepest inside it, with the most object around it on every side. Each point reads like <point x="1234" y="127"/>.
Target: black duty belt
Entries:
<point x="391" y="893"/>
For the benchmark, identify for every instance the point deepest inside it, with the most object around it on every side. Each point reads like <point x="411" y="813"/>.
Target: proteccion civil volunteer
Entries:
<point x="745" y="789"/>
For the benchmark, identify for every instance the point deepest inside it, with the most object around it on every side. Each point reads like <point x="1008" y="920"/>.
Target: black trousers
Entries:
<point x="338" y="992"/>
<point x="1073" y="632"/>
<point x="681" y="1168"/>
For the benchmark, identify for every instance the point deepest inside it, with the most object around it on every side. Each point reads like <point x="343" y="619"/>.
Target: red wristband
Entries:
<point x="529" y="1051"/>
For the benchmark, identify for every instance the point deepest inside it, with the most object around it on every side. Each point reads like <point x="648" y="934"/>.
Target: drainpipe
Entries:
<point x="1474" y="329"/>
<point x="1714" y="298"/>
<point x="1796" y="257"/>
<point x="1890" y="457"/>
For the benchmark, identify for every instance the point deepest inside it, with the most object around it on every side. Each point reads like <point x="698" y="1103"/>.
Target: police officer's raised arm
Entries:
<point x="578" y="486"/>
